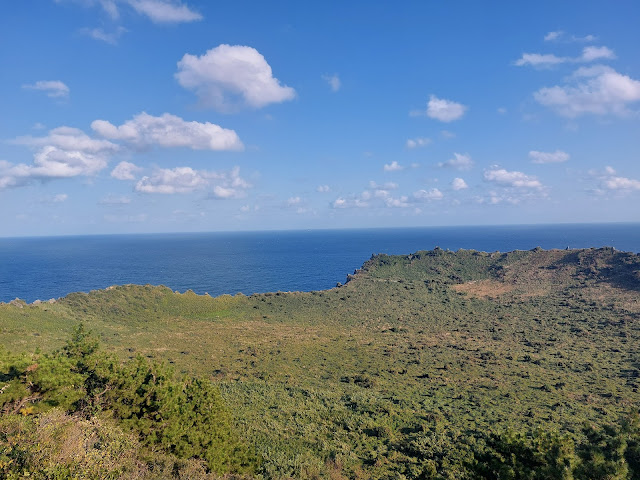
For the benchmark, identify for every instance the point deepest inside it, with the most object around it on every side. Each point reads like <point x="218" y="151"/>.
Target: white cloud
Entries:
<point x="459" y="184"/>
<point x="59" y="198"/>
<point x="333" y="81"/>
<point x="596" y="90"/>
<point x="163" y="11"/>
<point x="447" y="134"/>
<point x="65" y="152"/>
<point x="418" y="142"/>
<point x="459" y="162"/>
<point x="622" y="183"/>
<point x="586" y="38"/>
<point x="552" y="36"/>
<point x="53" y="88"/>
<point x="125" y="171"/>
<point x="589" y="54"/>
<point x="393" y="167"/>
<point x="176" y="180"/>
<point x="342" y="202"/>
<point x="107" y="37"/>
<point x="145" y="130"/>
<point x="112" y="199"/>
<point x="227" y="72"/>
<point x="186" y="180"/>
<point x="139" y="218"/>
<point x="444" y="110"/>
<point x="294" y="201"/>
<point x="548" y="157"/>
<point x="540" y="60"/>
<point x="400" y="202"/>
<point x="610" y="180"/>
<point x="502" y="111"/>
<point x="385" y="186"/>
<point x="323" y="188"/>
<point x="158" y="11"/>
<point x="432" y="194"/>
<point x="513" y="179"/>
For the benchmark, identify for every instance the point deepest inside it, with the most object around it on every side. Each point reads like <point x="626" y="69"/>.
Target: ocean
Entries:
<point x="251" y="262"/>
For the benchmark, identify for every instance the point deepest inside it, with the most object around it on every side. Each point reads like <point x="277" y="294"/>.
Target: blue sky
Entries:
<point x="122" y="116"/>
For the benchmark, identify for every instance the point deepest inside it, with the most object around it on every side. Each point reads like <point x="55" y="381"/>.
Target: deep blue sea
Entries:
<point x="250" y="262"/>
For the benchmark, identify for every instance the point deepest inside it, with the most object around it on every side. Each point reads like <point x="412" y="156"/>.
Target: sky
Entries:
<point x="141" y="116"/>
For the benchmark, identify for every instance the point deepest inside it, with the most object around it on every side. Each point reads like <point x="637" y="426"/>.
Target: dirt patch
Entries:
<point x="484" y="288"/>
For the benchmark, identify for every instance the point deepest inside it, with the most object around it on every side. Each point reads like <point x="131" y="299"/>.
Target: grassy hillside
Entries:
<point x="402" y="370"/>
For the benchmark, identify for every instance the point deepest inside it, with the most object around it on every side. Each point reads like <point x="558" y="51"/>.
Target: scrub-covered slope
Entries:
<point x="402" y="370"/>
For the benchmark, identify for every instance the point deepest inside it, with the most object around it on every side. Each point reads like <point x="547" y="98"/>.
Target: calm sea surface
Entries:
<point x="249" y="262"/>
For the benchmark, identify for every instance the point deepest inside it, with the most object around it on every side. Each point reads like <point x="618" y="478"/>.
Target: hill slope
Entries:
<point x="400" y="365"/>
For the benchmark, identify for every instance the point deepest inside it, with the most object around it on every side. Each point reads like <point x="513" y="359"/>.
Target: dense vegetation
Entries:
<point x="439" y="364"/>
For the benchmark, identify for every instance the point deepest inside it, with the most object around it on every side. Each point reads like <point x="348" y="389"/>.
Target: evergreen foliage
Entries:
<point x="435" y="365"/>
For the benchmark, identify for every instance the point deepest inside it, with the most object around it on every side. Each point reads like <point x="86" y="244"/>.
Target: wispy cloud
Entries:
<point x="107" y="37"/>
<point x="589" y="54"/>
<point x="417" y="142"/>
<point x="548" y="157"/>
<point x="333" y="81"/>
<point x="53" y="88"/>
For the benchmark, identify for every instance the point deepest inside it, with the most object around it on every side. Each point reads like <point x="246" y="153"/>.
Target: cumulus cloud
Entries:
<point x="513" y="179"/>
<point x="228" y="75"/>
<point x="294" y="201"/>
<point x="444" y="110"/>
<point x="432" y="194"/>
<point x="186" y="180"/>
<point x="333" y="81"/>
<point x="610" y="180"/>
<point x="376" y="195"/>
<point x="65" y="152"/>
<point x="459" y="184"/>
<point x="323" y="188"/>
<point x="548" y="157"/>
<point x="125" y="171"/>
<point x="598" y="90"/>
<point x="459" y="162"/>
<point x="393" y="167"/>
<point x="167" y="130"/>
<point x="53" y="88"/>
<point x="418" y="142"/>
